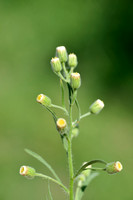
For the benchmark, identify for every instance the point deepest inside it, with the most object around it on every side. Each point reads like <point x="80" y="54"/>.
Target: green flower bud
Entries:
<point x="75" y="132"/>
<point x="75" y="80"/>
<point x="44" y="100"/>
<point x="28" y="172"/>
<point x="72" y="60"/>
<point x="87" y="170"/>
<point x="114" y="167"/>
<point x="56" y="64"/>
<point x="61" y="125"/>
<point x="82" y="177"/>
<point x="97" y="106"/>
<point x="61" y="53"/>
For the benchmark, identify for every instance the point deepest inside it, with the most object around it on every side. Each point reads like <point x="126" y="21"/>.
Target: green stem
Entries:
<point x="81" y="117"/>
<point x="62" y="91"/>
<point x="65" y="72"/>
<point x="64" y="109"/>
<point x="71" y="70"/>
<point x="79" y="110"/>
<point x="60" y="75"/>
<point x="53" y="180"/>
<point x="85" y="115"/>
<point x="70" y="161"/>
<point x="97" y="169"/>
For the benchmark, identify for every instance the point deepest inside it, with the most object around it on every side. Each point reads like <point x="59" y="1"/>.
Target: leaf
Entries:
<point x="38" y="157"/>
<point x="79" y="111"/>
<point x="53" y="114"/>
<point x="81" y="189"/>
<point x="89" y="163"/>
<point x="70" y="92"/>
<point x="49" y="191"/>
<point x="65" y="143"/>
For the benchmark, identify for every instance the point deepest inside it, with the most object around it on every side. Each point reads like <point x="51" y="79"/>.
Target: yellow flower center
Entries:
<point x="22" y="170"/>
<point x="61" y="123"/>
<point x="40" y="97"/>
<point x="118" y="166"/>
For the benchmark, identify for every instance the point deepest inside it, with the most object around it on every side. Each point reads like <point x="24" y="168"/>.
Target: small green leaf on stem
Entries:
<point x="38" y="157"/>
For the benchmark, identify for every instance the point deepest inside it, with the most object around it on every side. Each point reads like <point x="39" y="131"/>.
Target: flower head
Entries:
<point x="44" y="100"/>
<point x="114" y="167"/>
<point x="75" y="80"/>
<point x="61" y="125"/>
<point x="56" y="64"/>
<point x="72" y="60"/>
<point x="28" y="172"/>
<point x="97" y="106"/>
<point x="61" y="53"/>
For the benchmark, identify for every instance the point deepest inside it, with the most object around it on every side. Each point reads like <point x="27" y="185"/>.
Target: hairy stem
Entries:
<point x="70" y="161"/>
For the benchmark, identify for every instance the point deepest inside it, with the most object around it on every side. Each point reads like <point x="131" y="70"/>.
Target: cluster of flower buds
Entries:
<point x="27" y="171"/>
<point x="68" y="75"/>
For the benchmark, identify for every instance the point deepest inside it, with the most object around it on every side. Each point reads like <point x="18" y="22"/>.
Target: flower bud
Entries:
<point x="61" y="125"/>
<point x="97" y="106"/>
<point x="87" y="170"/>
<point x="56" y="64"/>
<point x="28" y="172"/>
<point x="44" y="100"/>
<point x="75" y="132"/>
<point x="61" y="53"/>
<point x="114" y="167"/>
<point x="75" y="80"/>
<point x="72" y="60"/>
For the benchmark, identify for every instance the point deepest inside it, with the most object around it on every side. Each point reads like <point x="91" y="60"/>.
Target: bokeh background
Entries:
<point x="100" y="33"/>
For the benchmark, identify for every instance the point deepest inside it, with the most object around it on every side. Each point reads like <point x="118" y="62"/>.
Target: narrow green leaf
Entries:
<point x="81" y="189"/>
<point x="79" y="110"/>
<point x="38" y="157"/>
<point x="53" y="114"/>
<point x="49" y="191"/>
<point x="89" y="163"/>
<point x="70" y="92"/>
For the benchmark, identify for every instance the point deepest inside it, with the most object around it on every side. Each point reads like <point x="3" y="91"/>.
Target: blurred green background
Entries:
<point x="100" y="33"/>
